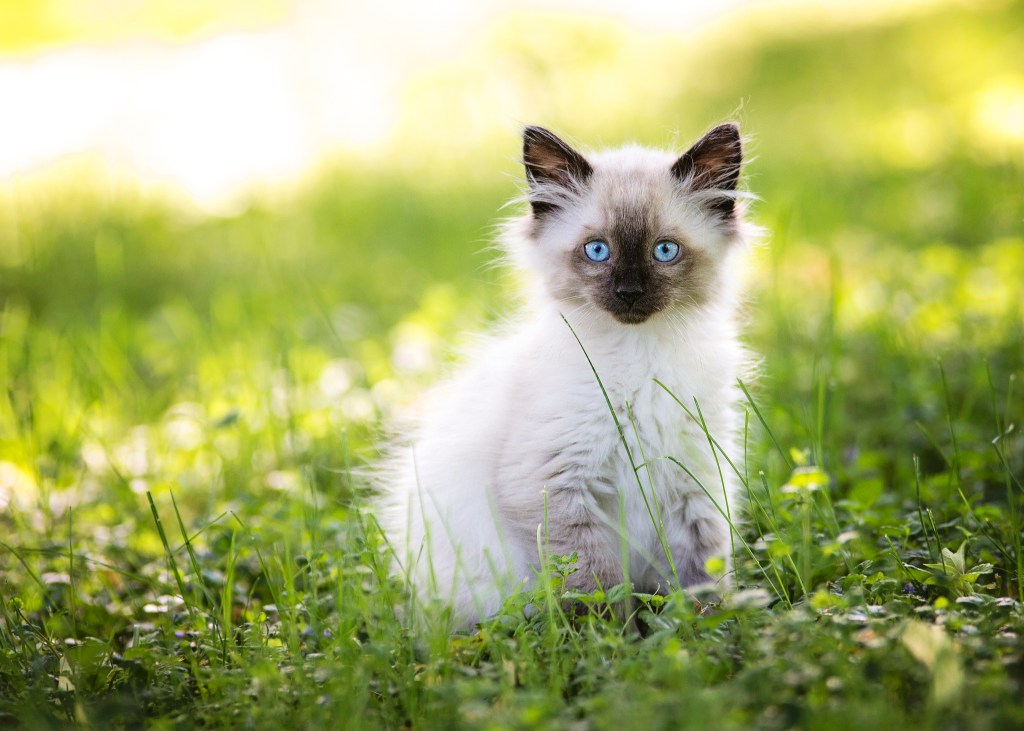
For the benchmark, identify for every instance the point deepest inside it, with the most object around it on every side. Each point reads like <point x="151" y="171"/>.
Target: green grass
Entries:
<point x="188" y="402"/>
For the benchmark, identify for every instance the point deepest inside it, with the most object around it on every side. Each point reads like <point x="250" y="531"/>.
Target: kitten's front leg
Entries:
<point x="552" y="476"/>
<point x="577" y="522"/>
<point x="700" y="539"/>
<point x="692" y="540"/>
<point x="571" y="518"/>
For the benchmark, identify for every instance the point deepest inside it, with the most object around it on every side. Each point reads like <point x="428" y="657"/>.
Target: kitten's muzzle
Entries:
<point x="631" y="309"/>
<point x="631" y="304"/>
<point x="629" y="293"/>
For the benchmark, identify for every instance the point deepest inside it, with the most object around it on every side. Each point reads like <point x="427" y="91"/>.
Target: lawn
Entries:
<point x="190" y="402"/>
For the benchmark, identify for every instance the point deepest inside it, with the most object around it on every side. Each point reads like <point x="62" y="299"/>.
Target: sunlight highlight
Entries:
<point x="235" y="105"/>
<point x="999" y="116"/>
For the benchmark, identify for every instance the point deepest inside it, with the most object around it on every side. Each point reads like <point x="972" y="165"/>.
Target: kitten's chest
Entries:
<point x="666" y="417"/>
<point x="570" y="408"/>
<point x="649" y="409"/>
<point x="647" y="383"/>
<point x="642" y="390"/>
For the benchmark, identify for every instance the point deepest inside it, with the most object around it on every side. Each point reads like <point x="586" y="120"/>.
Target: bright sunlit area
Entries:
<point x="239" y="240"/>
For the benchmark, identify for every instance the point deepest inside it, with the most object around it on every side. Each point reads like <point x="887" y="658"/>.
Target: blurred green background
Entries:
<point x="233" y="352"/>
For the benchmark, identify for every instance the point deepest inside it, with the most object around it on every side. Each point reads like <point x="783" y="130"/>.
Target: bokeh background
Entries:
<point x="234" y="235"/>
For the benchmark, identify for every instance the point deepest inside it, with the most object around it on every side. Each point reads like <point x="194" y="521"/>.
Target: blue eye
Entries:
<point x="597" y="251"/>
<point x="665" y="251"/>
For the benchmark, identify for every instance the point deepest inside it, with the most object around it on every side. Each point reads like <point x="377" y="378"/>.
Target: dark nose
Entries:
<point x="629" y="293"/>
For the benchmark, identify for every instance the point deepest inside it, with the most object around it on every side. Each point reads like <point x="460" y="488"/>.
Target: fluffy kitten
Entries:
<point x="634" y="248"/>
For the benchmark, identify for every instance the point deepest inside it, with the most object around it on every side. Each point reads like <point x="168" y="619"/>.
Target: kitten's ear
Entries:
<point x="713" y="163"/>
<point x="549" y="160"/>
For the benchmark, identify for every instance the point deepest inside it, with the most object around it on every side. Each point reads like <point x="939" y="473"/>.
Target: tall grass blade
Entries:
<point x="771" y="434"/>
<point x="172" y="564"/>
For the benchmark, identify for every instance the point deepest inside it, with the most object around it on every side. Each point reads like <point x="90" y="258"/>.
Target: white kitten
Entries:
<point x="634" y="247"/>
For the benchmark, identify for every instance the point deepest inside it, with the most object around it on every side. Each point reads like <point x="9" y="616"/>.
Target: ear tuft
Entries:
<point x="550" y="161"/>
<point x="713" y="163"/>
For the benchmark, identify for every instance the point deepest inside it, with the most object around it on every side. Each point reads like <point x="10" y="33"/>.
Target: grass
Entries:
<point x="188" y="401"/>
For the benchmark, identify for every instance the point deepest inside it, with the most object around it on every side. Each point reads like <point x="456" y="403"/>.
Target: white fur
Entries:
<point x="464" y="489"/>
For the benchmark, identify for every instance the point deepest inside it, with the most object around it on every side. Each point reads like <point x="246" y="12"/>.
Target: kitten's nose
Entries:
<point x="629" y="293"/>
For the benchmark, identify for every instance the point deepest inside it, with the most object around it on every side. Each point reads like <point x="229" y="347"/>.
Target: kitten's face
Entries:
<point x="634" y="232"/>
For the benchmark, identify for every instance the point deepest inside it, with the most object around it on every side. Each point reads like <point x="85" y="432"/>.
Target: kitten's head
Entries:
<point x="632" y="231"/>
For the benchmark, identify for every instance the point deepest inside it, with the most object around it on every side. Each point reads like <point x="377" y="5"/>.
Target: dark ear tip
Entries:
<point x="533" y="133"/>
<point x="730" y="130"/>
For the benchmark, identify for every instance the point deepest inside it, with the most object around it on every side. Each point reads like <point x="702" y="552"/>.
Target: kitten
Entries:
<point x="635" y="249"/>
